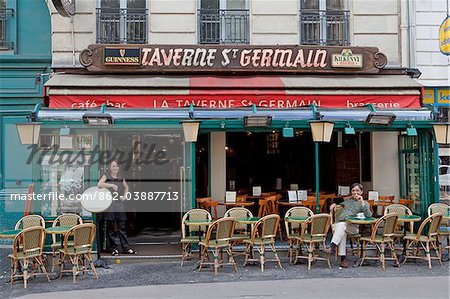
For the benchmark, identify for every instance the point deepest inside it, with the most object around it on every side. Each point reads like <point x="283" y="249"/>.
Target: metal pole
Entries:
<point x="316" y="151"/>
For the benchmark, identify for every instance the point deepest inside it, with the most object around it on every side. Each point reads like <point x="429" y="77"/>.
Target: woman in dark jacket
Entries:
<point x="117" y="185"/>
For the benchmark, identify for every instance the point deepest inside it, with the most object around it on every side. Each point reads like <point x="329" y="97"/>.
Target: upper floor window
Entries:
<point x="121" y="22"/>
<point x="324" y="22"/>
<point x="223" y="22"/>
<point x="5" y="14"/>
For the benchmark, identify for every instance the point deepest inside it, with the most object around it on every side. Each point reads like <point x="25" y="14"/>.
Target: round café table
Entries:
<point x="403" y="220"/>
<point x="9" y="234"/>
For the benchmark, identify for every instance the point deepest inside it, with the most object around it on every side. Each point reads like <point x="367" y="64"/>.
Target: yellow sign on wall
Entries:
<point x="443" y="96"/>
<point x="444" y="36"/>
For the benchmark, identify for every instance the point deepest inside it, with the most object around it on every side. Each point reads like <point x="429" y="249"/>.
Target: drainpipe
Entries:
<point x="411" y="10"/>
<point x="73" y="40"/>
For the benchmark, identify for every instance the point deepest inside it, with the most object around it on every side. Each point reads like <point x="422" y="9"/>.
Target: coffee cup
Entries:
<point x="360" y="216"/>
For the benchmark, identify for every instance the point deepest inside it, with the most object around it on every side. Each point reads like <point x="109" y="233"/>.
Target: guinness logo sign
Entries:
<point x="121" y="56"/>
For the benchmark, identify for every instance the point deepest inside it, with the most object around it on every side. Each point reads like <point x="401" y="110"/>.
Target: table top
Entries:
<point x="356" y="220"/>
<point x="248" y="220"/>
<point x="198" y="222"/>
<point x="409" y="218"/>
<point x="296" y="219"/>
<point x="236" y="204"/>
<point x="58" y="229"/>
<point x="9" y="234"/>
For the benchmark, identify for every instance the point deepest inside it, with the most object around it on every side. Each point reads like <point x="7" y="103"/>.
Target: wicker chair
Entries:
<point x="241" y="229"/>
<point x="401" y="210"/>
<point x="313" y="232"/>
<point x="30" y="221"/>
<point x="444" y="230"/>
<point x="62" y="220"/>
<point x="264" y="233"/>
<point x="353" y="238"/>
<point x="414" y="242"/>
<point x="190" y="234"/>
<point x="217" y="239"/>
<point x="77" y="253"/>
<point x="389" y="224"/>
<point x="28" y="247"/>
<point x="293" y="229"/>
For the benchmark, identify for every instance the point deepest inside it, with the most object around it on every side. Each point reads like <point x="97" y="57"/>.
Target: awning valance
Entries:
<point x="131" y="91"/>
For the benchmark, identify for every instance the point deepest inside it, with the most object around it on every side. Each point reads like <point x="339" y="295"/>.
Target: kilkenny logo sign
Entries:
<point x="122" y="56"/>
<point x="347" y="59"/>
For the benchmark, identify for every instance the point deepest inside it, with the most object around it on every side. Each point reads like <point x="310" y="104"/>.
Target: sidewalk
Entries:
<point x="376" y="287"/>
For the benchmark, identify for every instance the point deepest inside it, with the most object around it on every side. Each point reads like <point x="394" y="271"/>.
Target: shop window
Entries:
<point x="410" y="170"/>
<point x="5" y="15"/>
<point x="121" y="22"/>
<point x="324" y="22"/>
<point x="223" y="22"/>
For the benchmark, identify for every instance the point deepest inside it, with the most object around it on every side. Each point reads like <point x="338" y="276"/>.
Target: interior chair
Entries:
<point x="353" y="238"/>
<point x="313" y="234"/>
<point x="192" y="234"/>
<point x="79" y="252"/>
<point x="416" y="242"/>
<point x="208" y="204"/>
<point x="218" y="238"/>
<point x="69" y="220"/>
<point x="272" y="208"/>
<point x="28" y="249"/>
<point x="30" y="221"/>
<point x="383" y="240"/>
<point x="293" y="229"/>
<point x="444" y="230"/>
<point x="263" y="234"/>
<point x="401" y="210"/>
<point x="386" y="199"/>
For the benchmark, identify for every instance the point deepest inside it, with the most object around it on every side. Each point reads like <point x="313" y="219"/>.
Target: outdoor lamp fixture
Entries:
<point x="321" y="132"/>
<point x="190" y="130"/>
<point x="64" y="131"/>
<point x="411" y="131"/>
<point x="442" y="132"/>
<point x="97" y="119"/>
<point x="380" y="118"/>
<point x="29" y="132"/>
<point x="349" y="130"/>
<point x="257" y="121"/>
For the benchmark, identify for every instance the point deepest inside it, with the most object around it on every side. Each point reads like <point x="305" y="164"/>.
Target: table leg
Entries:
<point x="401" y="258"/>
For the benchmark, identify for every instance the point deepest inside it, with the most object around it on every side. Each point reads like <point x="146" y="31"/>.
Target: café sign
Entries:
<point x="231" y="58"/>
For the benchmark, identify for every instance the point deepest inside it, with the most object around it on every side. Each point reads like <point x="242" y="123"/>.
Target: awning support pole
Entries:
<point x="316" y="157"/>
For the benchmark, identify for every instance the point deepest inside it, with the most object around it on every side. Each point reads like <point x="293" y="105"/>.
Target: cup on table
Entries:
<point x="360" y="216"/>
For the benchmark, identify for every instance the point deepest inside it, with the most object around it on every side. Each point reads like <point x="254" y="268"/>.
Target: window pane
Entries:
<point x="235" y="4"/>
<point x="110" y="4"/>
<point x="335" y="5"/>
<point x="209" y="4"/>
<point x="309" y="4"/>
<point x="136" y="4"/>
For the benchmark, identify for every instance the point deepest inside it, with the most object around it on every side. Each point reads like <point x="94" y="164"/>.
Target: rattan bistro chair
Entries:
<point x="241" y="231"/>
<point x="353" y="238"/>
<point x="383" y="240"/>
<point x="293" y="229"/>
<point x="401" y="210"/>
<point x="190" y="234"/>
<point x="80" y="252"/>
<point x="313" y="232"/>
<point x="30" y="221"/>
<point x="444" y="230"/>
<point x="263" y="234"/>
<point x="218" y="238"/>
<point x="62" y="220"/>
<point x="27" y="247"/>
<point x="415" y="242"/>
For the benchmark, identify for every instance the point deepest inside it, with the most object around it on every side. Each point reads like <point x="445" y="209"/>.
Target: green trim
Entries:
<point x="193" y="174"/>
<point x="316" y="158"/>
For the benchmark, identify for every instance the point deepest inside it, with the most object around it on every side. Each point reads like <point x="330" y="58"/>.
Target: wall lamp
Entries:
<point x="349" y="130"/>
<point x="65" y="131"/>
<point x="321" y="130"/>
<point x="411" y="131"/>
<point x="257" y="121"/>
<point x="380" y="118"/>
<point x="29" y="131"/>
<point x="190" y="130"/>
<point x="442" y="132"/>
<point x="97" y="119"/>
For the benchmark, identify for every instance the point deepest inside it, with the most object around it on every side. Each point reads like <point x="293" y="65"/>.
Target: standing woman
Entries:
<point x="117" y="185"/>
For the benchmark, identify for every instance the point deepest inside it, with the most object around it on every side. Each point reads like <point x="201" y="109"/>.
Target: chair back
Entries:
<point x="32" y="241"/>
<point x="221" y="230"/>
<point x="336" y="213"/>
<point x="389" y="225"/>
<point x="272" y="203"/>
<point x="194" y="214"/>
<point x="241" y="198"/>
<point x="30" y="221"/>
<point x="439" y="208"/>
<point x="263" y="208"/>
<point x="318" y="225"/>
<point x="434" y="222"/>
<point x="239" y="213"/>
<point x="83" y="237"/>
<point x="303" y="212"/>
<point x="201" y="202"/>
<point x="266" y="227"/>
<point x="401" y="210"/>
<point x="69" y="219"/>
<point x="387" y="198"/>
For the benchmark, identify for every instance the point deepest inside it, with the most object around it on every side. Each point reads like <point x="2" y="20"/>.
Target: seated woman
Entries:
<point x="351" y="206"/>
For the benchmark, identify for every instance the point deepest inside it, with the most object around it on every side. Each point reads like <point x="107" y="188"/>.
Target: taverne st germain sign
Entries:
<point x="231" y="58"/>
